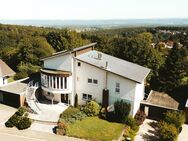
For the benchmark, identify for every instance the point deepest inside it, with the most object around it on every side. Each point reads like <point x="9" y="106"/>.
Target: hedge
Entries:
<point x="167" y="132"/>
<point x="19" y="120"/>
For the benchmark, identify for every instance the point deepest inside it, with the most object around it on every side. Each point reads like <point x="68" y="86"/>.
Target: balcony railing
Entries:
<point x="56" y="82"/>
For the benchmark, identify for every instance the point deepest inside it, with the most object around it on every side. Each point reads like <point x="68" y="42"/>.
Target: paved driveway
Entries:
<point x="5" y="113"/>
<point x="183" y="136"/>
<point x="147" y="131"/>
<point x="43" y="127"/>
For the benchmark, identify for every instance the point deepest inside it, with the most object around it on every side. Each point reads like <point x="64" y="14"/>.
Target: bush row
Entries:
<point x="19" y="119"/>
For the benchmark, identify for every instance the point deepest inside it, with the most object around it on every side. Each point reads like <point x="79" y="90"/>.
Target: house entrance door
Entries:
<point x="64" y="98"/>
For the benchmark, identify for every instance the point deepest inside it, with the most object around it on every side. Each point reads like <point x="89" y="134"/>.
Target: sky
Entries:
<point x="92" y="9"/>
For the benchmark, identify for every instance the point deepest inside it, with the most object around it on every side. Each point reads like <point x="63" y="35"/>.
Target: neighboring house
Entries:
<point x="5" y="73"/>
<point x="92" y="75"/>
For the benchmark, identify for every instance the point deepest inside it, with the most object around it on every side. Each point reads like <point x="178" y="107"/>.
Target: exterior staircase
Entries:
<point x="31" y="98"/>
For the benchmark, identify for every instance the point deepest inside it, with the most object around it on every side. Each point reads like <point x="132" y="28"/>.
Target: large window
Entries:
<point x="117" y="89"/>
<point x="87" y="97"/>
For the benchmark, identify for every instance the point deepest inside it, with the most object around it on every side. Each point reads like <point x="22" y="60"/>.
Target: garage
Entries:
<point x="158" y="103"/>
<point x="13" y="94"/>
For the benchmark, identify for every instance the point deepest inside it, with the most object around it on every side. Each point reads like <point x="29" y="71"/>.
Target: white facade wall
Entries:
<point x="139" y="96"/>
<point x="84" y="72"/>
<point x="127" y="90"/>
<point x="59" y="63"/>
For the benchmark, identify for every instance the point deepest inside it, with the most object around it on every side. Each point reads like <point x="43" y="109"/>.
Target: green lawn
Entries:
<point x="96" y="129"/>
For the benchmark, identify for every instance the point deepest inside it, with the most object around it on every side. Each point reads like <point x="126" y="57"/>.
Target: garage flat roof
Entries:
<point x="15" y="88"/>
<point x="161" y="99"/>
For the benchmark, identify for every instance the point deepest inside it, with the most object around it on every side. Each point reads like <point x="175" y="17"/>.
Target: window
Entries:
<point x="89" y="80"/>
<point x="84" y="96"/>
<point x="95" y="81"/>
<point x="87" y="97"/>
<point x="4" y="80"/>
<point x="79" y="64"/>
<point x="117" y="89"/>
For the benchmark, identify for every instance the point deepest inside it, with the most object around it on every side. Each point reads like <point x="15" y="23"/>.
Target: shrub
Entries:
<point x="175" y="117"/>
<point x="61" y="128"/>
<point x="71" y="114"/>
<point x="9" y="124"/>
<point x="167" y="132"/>
<point x="129" y="133"/>
<point x="122" y="110"/>
<point x="130" y="121"/>
<point x="140" y="117"/>
<point x="24" y="123"/>
<point x="79" y="116"/>
<point x="15" y="119"/>
<point x="21" y="111"/>
<point x="92" y="108"/>
<point x="19" y="119"/>
<point x="103" y="113"/>
<point x="110" y="116"/>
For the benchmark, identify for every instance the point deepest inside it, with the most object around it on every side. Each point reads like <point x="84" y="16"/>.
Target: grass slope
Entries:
<point x="94" y="128"/>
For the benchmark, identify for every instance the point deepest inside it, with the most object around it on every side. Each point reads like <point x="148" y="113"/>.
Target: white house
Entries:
<point x="5" y="72"/>
<point x="92" y="75"/>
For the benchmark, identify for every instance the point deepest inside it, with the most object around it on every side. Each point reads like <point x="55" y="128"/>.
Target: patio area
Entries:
<point x="49" y="112"/>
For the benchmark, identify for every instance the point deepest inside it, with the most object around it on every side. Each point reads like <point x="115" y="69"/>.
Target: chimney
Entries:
<point x="99" y="56"/>
<point x="106" y="67"/>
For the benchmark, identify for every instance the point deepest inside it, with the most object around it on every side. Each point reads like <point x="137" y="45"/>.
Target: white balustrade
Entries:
<point x="55" y="82"/>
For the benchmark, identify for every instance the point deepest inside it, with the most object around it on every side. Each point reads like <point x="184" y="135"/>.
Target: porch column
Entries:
<point x="52" y="81"/>
<point x="59" y="82"/>
<point x="55" y="82"/>
<point x="67" y="82"/>
<point x="63" y="83"/>
<point x="49" y="82"/>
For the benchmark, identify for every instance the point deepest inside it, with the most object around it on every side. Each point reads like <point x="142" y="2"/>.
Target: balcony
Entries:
<point x="57" y="82"/>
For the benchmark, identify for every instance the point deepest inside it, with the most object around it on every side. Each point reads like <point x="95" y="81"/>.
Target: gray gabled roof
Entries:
<point x="115" y="65"/>
<point x="5" y="70"/>
<point x="60" y="53"/>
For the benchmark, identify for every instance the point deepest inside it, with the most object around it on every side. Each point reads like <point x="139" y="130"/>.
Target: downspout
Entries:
<point x="106" y="75"/>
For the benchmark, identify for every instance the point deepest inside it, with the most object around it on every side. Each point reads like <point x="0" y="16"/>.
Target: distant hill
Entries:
<point x="100" y="23"/>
